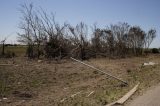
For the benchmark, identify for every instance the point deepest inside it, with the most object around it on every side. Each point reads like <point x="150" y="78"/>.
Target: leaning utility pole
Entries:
<point x="100" y="71"/>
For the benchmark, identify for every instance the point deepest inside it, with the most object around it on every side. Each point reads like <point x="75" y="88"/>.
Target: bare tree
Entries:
<point x="120" y="31"/>
<point x="115" y="38"/>
<point x="41" y="32"/>
<point x="137" y="39"/>
<point x="96" y="40"/>
<point x="150" y="37"/>
<point x="55" y="34"/>
<point x="3" y="44"/>
<point x="26" y="24"/>
<point x="79" y="38"/>
<point x="43" y="35"/>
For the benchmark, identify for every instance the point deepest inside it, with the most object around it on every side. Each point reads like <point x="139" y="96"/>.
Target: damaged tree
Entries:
<point x="29" y="29"/>
<point x="97" y="42"/>
<point x="56" y="42"/>
<point x="42" y="34"/>
<point x="46" y="37"/>
<point x="79" y="39"/>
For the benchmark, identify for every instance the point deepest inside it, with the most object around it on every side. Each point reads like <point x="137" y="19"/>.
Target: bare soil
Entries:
<point x="68" y="83"/>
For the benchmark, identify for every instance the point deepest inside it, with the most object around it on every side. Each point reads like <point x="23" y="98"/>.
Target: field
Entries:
<point x="19" y="50"/>
<point x="68" y="83"/>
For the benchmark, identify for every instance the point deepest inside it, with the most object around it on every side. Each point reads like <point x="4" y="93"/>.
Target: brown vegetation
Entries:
<point x="45" y="37"/>
<point x="32" y="82"/>
<point x="39" y="80"/>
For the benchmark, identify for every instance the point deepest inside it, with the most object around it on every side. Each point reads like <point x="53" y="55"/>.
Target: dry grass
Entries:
<point x="30" y="83"/>
<point x="19" y="50"/>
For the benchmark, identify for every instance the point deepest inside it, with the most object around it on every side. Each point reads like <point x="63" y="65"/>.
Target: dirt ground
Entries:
<point x="68" y="83"/>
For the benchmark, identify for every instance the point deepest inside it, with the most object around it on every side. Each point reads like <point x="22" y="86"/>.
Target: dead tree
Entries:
<point x="43" y="35"/>
<point x="79" y="38"/>
<point x="137" y="39"/>
<point x="3" y="44"/>
<point x="150" y="37"/>
<point x="33" y="34"/>
<point x="96" y="40"/>
<point x="55" y="46"/>
<point x="27" y="36"/>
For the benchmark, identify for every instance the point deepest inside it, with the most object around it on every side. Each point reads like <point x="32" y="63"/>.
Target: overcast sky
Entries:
<point x="145" y="13"/>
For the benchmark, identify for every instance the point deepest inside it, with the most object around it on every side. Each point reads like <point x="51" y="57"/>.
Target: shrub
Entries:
<point x="155" y="50"/>
<point x="9" y="54"/>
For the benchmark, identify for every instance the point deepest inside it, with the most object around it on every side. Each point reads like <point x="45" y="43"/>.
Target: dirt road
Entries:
<point x="150" y="98"/>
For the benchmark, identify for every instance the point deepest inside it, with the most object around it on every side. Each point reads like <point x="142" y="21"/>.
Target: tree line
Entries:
<point x="44" y="36"/>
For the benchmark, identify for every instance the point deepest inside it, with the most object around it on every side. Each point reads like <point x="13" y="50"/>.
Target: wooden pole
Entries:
<point x="99" y="70"/>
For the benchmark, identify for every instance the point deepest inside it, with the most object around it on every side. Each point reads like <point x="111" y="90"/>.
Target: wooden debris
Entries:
<point x="111" y="104"/>
<point x="5" y="98"/>
<point x="90" y="93"/>
<point x="125" y="97"/>
<point x="72" y="96"/>
<point x="149" y="64"/>
<point x="63" y="100"/>
<point x="39" y="61"/>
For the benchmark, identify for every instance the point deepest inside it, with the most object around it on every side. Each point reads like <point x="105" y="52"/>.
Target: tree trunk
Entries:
<point x="3" y="49"/>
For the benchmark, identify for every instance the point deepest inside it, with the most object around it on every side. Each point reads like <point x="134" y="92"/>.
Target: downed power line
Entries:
<point x="99" y="70"/>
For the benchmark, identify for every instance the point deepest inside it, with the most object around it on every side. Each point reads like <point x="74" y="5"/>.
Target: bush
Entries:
<point x="9" y="54"/>
<point x="147" y="51"/>
<point x="155" y="50"/>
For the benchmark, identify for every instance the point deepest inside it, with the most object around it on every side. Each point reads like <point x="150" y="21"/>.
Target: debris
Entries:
<point x="90" y="93"/>
<point x="72" y="96"/>
<point x="63" y="100"/>
<point x="129" y="94"/>
<point x="149" y="64"/>
<point x="111" y="104"/>
<point x="125" y="97"/>
<point x="65" y="88"/>
<point x="99" y="70"/>
<point x="39" y="61"/>
<point x="19" y="83"/>
<point x="5" y="98"/>
<point x="23" y="100"/>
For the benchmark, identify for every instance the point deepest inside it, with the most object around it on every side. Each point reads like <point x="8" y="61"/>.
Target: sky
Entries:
<point x="144" y="13"/>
